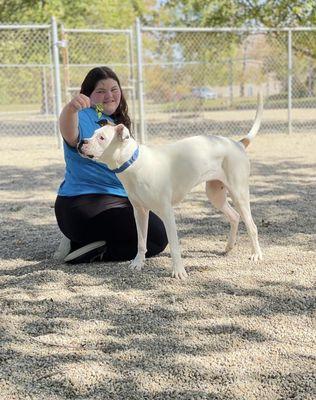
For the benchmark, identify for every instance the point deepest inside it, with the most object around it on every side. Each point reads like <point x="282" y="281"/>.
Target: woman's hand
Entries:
<point x="79" y="102"/>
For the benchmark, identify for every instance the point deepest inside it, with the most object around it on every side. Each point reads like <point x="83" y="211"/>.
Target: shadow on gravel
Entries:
<point x="22" y="180"/>
<point x="138" y="339"/>
<point x="288" y="299"/>
<point x="161" y="341"/>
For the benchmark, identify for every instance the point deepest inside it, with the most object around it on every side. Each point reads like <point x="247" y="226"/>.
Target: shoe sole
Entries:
<point x="84" y="250"/>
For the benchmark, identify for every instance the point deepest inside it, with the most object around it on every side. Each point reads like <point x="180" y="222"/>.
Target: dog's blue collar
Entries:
<point x="127" y="163"/>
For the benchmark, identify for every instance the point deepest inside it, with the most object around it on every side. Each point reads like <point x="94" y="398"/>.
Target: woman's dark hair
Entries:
<point x="95" y="75"/>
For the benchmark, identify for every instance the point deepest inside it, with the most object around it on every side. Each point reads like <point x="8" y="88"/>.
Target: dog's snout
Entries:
<point x="80" y="150"/>
<point x="80" y="144"/>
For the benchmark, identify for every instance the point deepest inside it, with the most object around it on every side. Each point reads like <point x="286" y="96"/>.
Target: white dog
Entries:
<point x="156" y="178"/>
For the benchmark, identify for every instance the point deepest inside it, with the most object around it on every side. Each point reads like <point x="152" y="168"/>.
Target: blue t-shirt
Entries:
<point x="82" y="175"/>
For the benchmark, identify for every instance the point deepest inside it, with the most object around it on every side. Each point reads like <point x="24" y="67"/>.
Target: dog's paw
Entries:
<point x="179" y="273"/>
<point x="256" y="257"/>
<point x="228" y="248"/>
<point x="137" y="264"/>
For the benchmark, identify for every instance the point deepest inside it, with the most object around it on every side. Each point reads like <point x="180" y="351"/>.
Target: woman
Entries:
<point x="92" y="208"/>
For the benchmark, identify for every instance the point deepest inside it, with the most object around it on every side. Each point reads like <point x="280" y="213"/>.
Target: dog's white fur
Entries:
<point x="162" y="175"/>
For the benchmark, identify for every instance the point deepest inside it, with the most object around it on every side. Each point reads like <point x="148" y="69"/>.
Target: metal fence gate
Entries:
<point x="41" y="69"/>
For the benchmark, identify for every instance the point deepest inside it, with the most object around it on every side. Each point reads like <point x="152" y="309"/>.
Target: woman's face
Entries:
<point x="107" y="92"/>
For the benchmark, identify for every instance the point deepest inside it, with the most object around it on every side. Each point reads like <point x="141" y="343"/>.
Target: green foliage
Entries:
<point x="234" y="13"/>
<point x="74" y="14"/>
<point x="122" y="13"/>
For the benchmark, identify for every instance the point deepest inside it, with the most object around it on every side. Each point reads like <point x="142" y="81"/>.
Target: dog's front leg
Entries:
<point x="168" y="218"/>
<point x="141" y="218"/>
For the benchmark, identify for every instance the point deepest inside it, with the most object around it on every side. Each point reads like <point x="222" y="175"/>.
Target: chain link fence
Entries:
<point x="83" y="49"/>
<point x="200" y="81"/>
<point x="27" y="97"/>
<point x="178" y="82"/>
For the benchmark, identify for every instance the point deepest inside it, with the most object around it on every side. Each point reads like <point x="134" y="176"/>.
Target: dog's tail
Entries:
<point x="256" y="125"/>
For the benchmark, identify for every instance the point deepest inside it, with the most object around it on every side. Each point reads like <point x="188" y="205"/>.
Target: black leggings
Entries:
<point x="86" y="218"/>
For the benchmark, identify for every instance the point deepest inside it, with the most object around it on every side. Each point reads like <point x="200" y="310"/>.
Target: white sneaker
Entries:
<point x="88" y="253"/>
<point x="63" y="249"/>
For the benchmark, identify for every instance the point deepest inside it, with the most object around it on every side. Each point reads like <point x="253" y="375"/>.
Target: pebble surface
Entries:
<point x="234" y="330"/>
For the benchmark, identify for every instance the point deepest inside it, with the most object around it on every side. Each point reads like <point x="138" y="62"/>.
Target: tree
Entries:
<point x="74" y="14"/>
<point x="234" y="13"/>
<point x="255" y="13"/>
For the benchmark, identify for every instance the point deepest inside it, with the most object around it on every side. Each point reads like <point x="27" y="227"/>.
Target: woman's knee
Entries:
<point x="157" y="237"/>
<point x="157" y="246"/>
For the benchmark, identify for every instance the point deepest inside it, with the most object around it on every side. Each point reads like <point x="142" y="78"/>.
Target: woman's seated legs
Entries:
<point x="85" y="219"/>
<point x="118" y="228"/>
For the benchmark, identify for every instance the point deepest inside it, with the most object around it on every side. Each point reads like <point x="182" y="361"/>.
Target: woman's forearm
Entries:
<point x="68" y="124"/>
<point x="68" y="120"/>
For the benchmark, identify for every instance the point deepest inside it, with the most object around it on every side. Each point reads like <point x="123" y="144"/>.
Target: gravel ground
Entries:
<point x="234" y="330"/>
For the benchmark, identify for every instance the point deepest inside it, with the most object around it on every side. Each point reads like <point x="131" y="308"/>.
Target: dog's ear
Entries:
<point x="122" y="132"/>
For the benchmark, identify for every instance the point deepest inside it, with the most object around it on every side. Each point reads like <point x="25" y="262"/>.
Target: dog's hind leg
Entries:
<point x="242" y="203"/>
<point x="217" y="194"/>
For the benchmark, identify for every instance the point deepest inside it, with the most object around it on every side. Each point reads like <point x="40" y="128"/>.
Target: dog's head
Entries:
<point x="109" y="137"/>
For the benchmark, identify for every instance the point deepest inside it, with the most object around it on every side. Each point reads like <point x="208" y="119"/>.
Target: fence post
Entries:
<point x="132" y="79"/>
<point x="44" y="92"/>
<point x="57" y="75"/>
<point x="289" y="83"/>
<point x="140" y="82"/>
<point x="231" y="81"/>
<point x="65" y="60"/>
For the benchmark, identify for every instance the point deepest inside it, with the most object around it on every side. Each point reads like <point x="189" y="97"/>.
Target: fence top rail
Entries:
<point x="225" y="29"/>
<point x="13" y="26"/>
<point x="24" y="65"/>
<point x="160" y="29"/>
<point x="126" y="31"/>
<point x="112" y="64"/>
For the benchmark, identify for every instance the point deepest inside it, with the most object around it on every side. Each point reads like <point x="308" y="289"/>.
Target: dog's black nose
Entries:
<point x="79" y="146"/>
